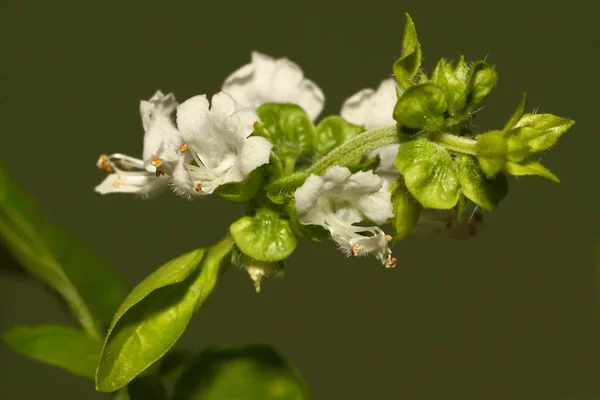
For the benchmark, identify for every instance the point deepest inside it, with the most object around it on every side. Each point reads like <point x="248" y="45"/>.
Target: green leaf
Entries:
<point x="485" y="192"/>
<point x="406" y="210"/>
<point x="245" y="191"/>
<point x="156" y="313"/>
<point x="331" y="132"/>
<point x="541" y="131"/>
<point x="90" y="289"/>
<point x="407" y="66"/>
<point x="516" y="116"/>
<point x="491" y="152"/>
<point x="421" y="106"/>
<point x="288" y="127"/>
<point x="429" y="173"/>
<point x="530" y="168"/>
<point x="61" y="346"/>
<point x="445" y="77"/>
<point x="462" y="70"/>
<point x="241" y="372"/>
<point x="481" y="80"/>
<point x="265" y="236"/>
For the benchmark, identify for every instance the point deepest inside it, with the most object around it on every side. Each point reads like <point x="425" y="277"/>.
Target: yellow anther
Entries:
<point x="197" y="188"/>
<point x="184" y="147"/>
<point x="354" y="249"/>
<point x="156" y="162"/>
<point x="388" y="238"/>
<point x="104" y="163"/>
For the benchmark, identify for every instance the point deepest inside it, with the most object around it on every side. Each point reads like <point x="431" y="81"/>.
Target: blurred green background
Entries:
<point x="511" y="315"/>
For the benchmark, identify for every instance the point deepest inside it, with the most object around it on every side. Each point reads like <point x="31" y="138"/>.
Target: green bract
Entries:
<point x="421" y="106"/>
<point x="244" y="372"/>
<point x="406" y="210"/>
<point x="530" y="168"/>
<point x="331" y="132"/>
<point x="482" y="78"/>
<point x="61" y="346"/>
<point x="540" y="131"/>
<point x="478" y="188"/>
<point x="491" y="152"/>
<point x="429" y="173"/>
<point x="264" y="236"/>
<point x="290" y="130"/>
<point x="244" y="191"/>
<point x="407" y="66"/>
<point x="446" y="77"/>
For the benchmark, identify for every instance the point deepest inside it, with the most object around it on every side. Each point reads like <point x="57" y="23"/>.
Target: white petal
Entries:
<point x="355" y="108"/>
<point x="256" y="152"/>
<point x="377" y="207"/>
<point x="131" y="182"/>
<point x="286" y="80"/>
<point x="306" y="196"/>
<point x="334" y="178"/>
<point x="223" y="103"/>
<point x="191" y="115"/>
<point x="245" y="119"/>
<point x="311" y="99"/>
<point x="363" y="182"/>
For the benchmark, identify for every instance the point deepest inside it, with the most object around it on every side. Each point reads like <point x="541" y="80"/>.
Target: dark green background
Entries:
<point x="510" y="315"/>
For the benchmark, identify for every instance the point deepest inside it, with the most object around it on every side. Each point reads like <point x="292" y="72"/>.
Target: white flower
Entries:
<point x="160" y="155"/>
<point x="339" y="200"/>
<point x="128" y="176"/>
<point x="269" y="80"/>
<point x="374" y="109"/>
<point x="217" y="148"/>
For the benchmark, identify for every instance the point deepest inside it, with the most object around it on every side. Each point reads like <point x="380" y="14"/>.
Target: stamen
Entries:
<point x="197" y="188"/>
<point x="388" y="238"/>
<point x="156" y="162"/>
<point x="104" y="163"/>
<point x="184" y="147"/>
<point x="354" y="249"/>
<point x="391" y="262"/>
<point x="254" y="124"/>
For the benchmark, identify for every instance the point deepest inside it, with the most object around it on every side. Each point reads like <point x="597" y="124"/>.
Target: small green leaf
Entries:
<point x="89" y="287"/>
<point x="445" y="77"/>
<point x="241" y="372"/>
<point x="331" y="132"/>
<point x="541" y="131"/>
<point x="483" y="191"/>
<point x="265" y="236"/>
<point x="530" y="168"/>
<point x="516" y="116"/>
<point x="462" y="70"/>
<point x="288" y="127"/>
<point x="407" y="66"/>
<point x="421" y="106"/>
<point x="245" y="191"/>
<point x="429" y="173"/>
<point x="61" y="346"/>
<point x="156" y="313"/>
<point x="406" y="210"/>
<point x="491" y="152"/>
<point x="481" y="80"/>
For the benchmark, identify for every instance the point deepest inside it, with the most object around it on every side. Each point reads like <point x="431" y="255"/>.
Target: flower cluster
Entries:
<point x="403" y="154"/>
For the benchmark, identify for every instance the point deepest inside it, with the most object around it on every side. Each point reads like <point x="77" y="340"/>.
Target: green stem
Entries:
<point x="289" y="165"/>
<point x="455" y="143"/>
<point x="364" y="143"/>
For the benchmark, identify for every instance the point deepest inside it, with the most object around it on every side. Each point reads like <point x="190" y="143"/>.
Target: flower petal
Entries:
<point x="377" y="206"/>
<point x="255" y="152"/>
<point x="306" y="196"/>
<point x="311" y="99"/>
<point x="223" y="103"/>
<point x="191" y="115"/>
<point x="373" y="109"/>
<point x="131" y="182"/>
<point x="356" y="107"/>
